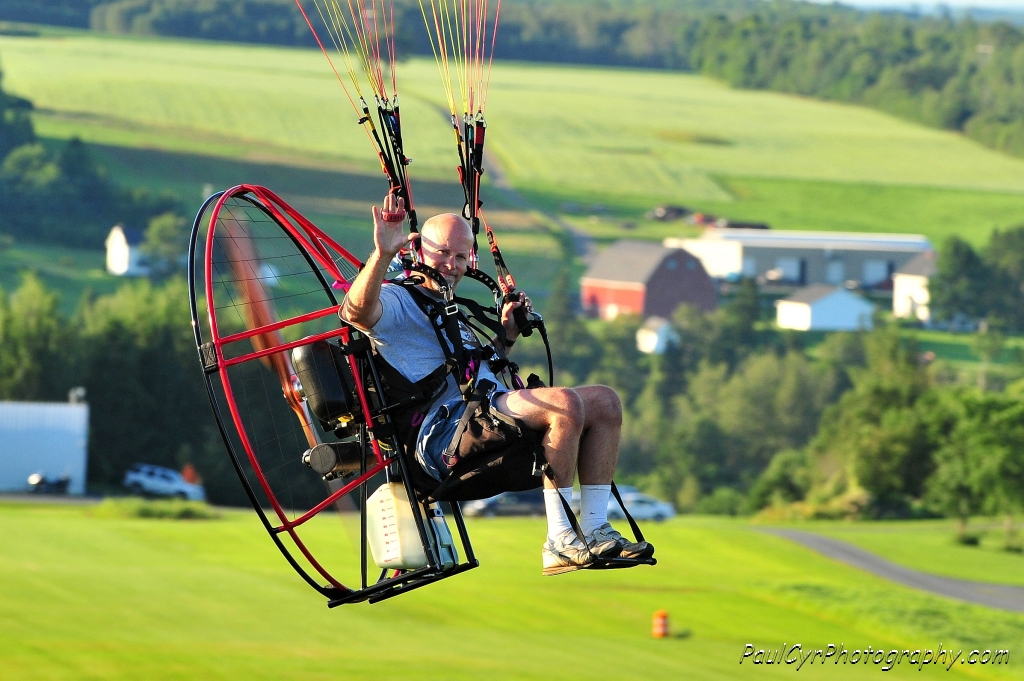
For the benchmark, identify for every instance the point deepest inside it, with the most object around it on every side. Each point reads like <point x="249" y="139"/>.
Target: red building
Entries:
<point x="645" y="279"/>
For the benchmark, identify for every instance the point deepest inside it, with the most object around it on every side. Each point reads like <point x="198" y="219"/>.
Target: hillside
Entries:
<point x="612" y="142"/>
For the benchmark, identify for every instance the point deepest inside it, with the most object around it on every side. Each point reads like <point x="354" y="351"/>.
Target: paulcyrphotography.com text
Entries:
<point x="884" y="658"/>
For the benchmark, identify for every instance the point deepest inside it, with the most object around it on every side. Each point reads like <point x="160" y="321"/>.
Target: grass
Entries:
<point x="68" y="271"/>
<point x="625" y="139"/>
<point x="126" y="598"/>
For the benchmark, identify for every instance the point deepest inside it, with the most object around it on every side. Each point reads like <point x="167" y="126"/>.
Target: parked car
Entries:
<point x="507" y="503"/>
<point x="624" y="491"/>
<point x="641" y="507"/>
<point x="38" y="483"/>
<point x="147" y="480"/>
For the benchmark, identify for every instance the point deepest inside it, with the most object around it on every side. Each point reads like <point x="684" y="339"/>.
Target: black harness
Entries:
<point x="508" y="442"/>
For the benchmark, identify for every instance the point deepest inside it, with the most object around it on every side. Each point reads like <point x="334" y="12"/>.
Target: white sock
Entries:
<point x="558" y="522"/>
<point x="593" y="506"/>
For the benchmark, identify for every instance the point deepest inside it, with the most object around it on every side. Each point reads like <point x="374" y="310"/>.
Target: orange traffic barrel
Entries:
<point x="659" y="625"/>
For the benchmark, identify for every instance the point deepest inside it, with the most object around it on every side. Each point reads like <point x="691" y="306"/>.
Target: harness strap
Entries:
<point x="637" y="534"/>
<point x="475" y="399"/>
<point x="449" y="336"/>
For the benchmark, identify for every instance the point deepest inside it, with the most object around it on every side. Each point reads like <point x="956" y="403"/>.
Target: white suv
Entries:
<point x="145" y="479"/>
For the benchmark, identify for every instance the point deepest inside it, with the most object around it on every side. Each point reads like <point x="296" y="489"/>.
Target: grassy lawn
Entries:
<point x="94" y="598"/>
<point x="619" y="139"/>
<point x="68" y="271"/>
<point x="928" y="545"/>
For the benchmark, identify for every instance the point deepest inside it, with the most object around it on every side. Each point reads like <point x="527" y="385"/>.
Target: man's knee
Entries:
<point x="569" y="408"/>
<point x="602" y="405"/>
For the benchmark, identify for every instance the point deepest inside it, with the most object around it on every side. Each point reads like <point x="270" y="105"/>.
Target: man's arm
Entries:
<point x="362" y="304"/>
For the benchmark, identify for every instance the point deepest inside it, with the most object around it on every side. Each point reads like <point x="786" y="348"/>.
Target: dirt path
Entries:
<point x="582" y="242"/>
<point x="992" y="595"/>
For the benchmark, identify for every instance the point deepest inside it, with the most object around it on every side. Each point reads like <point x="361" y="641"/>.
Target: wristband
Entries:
<point x="508" y="342"/>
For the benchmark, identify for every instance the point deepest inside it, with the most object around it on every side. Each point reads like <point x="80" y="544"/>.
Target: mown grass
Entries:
<point x="626" y="139"/>
<point x="125" y="599"/>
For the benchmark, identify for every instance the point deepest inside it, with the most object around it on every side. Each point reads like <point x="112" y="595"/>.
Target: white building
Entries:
<point x="910" y="297"/>
<point x="124" y="252"/>
<point x="43" y="437"/>
<point x="824" y="308"/>
<point x="799" y="258"/>
<point x="655" y="335"/>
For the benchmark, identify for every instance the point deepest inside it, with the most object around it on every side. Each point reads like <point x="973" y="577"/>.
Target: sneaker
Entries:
<point x="606" y="542"/>
<point x="565" y="554"/>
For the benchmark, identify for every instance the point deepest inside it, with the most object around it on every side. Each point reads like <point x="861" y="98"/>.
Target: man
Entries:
<point x="581" y="426"/>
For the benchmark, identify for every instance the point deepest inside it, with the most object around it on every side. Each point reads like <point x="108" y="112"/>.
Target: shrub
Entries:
<point x="166" y="509"/>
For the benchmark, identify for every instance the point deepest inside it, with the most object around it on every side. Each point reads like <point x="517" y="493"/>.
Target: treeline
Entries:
<point x="61" y="196"/>
<point x="133" y="352"/>
<point x="735" y="418"/>
<point x="957" y="75"/>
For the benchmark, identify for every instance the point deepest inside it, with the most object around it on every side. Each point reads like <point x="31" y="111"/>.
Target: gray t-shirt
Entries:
<point x="406" y="340"/>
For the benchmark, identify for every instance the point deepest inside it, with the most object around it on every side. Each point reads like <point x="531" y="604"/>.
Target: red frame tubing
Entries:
<point x="317" y="243"/>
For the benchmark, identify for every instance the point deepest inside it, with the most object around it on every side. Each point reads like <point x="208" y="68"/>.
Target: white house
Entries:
<point x="824" y="308"/>
<point x="797" y="258"/>
<point x="910" y="297"/>
<point x="43" y="437"/>
<point x="124" y="252"/>
<point x="655" y="335"/>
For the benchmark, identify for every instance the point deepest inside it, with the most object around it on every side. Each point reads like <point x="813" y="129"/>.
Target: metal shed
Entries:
<point x="43" y="437"/>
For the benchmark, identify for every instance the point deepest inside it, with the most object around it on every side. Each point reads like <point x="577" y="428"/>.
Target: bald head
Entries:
<point x="447" y="241"/>
<point x="447" y="226"/>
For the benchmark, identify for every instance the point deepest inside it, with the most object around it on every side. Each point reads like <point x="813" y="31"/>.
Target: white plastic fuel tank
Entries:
<point x="391" y="529"/>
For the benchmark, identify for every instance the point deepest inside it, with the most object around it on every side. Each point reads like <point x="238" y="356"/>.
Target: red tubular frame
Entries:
<point x="319" y="246"/>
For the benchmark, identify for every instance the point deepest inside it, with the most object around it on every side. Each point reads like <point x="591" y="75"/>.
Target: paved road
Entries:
<point x="992" y="595"/>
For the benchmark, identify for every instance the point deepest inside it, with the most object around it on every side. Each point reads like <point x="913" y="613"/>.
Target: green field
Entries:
<point x="69" y="272"/>
<point x="615" y="140"/>
<point x="83" y="597"/>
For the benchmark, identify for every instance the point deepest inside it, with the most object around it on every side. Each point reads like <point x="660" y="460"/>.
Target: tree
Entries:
<point x="166" y="244"/>
<point x="145" y="389"/>
<point x="960" y="286"/>
<point x="573" y="348"/>
<point x="981" y="465"/>
<point x="786" y="479"/>
<point x="620" y="363"/>
<point x="988" y="344"/>
<point x="1005" y="256"/>
<point x="876" y="437"/>
<point x="15" y="122"/>
<point x="35" y="343"/>
<point x="651" y="419"/>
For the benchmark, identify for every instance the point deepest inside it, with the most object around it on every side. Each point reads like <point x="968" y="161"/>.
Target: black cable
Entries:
<point x="547" y="349"/>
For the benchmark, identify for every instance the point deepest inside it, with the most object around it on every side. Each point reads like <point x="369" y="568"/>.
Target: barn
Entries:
<point x="645" y="279"/>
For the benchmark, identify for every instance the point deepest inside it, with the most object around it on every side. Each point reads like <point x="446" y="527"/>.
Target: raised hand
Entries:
<point x="388" y="226"/>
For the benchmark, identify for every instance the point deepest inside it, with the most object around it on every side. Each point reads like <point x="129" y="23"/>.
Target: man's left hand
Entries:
<point x="507" y="322"/>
